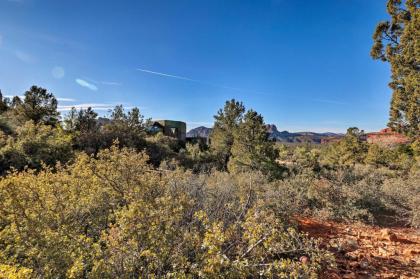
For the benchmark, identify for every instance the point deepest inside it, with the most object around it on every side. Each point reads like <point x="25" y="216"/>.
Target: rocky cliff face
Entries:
<point x="199" y="132"/>
<point x="387" y="137"/>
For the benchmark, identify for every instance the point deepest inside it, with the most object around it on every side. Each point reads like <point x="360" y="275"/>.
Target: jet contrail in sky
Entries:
<point x="195" y="80"/>
<point x="167" y="75"/>
<point x="230" y="88"/>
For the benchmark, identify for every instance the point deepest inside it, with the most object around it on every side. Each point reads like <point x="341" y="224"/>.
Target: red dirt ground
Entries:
<point x="363" y="251"/>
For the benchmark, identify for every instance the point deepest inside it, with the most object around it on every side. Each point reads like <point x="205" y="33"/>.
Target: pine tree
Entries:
<point x="226" y="122"/>
<point x="70" y="120"/>
<point x="39" y="105"/>
<point x="251" y="148"/>
<point x="127" y="128"/>
<point x="397" y="41"/>
<point x="3" y="103"/>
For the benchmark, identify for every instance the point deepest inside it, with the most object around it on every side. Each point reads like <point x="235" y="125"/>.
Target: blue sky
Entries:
<point x="304" y="65"/>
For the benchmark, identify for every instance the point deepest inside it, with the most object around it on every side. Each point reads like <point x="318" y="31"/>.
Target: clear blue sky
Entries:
<point x="304" y="65"/>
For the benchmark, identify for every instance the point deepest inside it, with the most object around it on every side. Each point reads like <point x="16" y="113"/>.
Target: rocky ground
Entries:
<point x="363" y="251"/>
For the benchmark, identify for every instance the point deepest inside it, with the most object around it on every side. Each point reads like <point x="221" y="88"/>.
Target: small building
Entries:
<point x="386" y="137"/>
<point x="170" y="128"/>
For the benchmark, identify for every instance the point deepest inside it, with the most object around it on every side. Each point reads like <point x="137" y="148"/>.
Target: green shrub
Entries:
<point x="115" y="216"/>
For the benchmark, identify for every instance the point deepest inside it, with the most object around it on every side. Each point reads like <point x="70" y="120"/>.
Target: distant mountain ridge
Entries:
<point x="199" y="132"/>
<point x="300" y="137"/>
<point x="275" y="135"/>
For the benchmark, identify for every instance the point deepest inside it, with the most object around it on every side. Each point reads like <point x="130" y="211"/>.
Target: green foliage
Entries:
<point x="14" y="272"/>
<point x="226" y="122"/>
<point x="376" y="155"/>
<point x="33" y="145"/>
<point x="83" y="125"/>
<point x="305" y="159"/>
<point x="161" y="148"/>
<point x="127" y="128"/>
<point x="4" y="103"/>
<point x="360" y="193"/>
<point x="199" y="159"/>
<point x="396" y="41"/>
<point x="117" y="217"/>
<point x="83" y="121"/>
<point x="349" y="150"/>
<point x="403" y="196"/>
<point x="38" y="105"/>
<point x="161" y="209"/>
<point x="239" y="141"/>
<point x="251" y="149"/>
<point x="395" y="158"/>
<point x="93" y="134"/>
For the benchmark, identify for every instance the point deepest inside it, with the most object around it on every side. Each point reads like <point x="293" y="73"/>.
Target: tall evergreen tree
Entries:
<point x="226" y="122"/>
<point x="127" y="128"/>
<point x="251" y="149"/>
<point x="16" y="102"/>
<point x="397" y="42"/>
<point x="39" y="105"/>
<point x="84" y="126"/>
<point x="4" y="103"/>
<point x="70" y="120"/>
<point x="87" y="121"/>
<point x="135" y="119"/>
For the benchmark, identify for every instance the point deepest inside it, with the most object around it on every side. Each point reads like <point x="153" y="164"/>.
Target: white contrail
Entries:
<point x="167" y="75"/>
<point x="336" y="102"/>
<point x="197" y="81"/>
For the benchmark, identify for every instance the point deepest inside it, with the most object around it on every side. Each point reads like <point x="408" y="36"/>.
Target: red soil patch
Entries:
<point x="363" y="251"/>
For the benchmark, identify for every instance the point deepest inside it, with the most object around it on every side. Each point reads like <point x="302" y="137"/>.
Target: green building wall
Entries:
<point x="174" y="128"/>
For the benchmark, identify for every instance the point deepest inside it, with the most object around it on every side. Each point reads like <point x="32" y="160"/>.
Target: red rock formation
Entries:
<point x="387" y="137"/>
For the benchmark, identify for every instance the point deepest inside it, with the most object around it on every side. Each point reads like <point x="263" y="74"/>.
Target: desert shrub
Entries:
<point x="199" y="159"/>
<point x="304" y="160"/>
<point x="33" y="145"/>
<point x="290" y="196"/>
<point x="398" y="158"/>
<point x="402" y="196"/>
<point x="377" y="195"/>
<point x="116" y="216"/>
<point x="162" y="148"/>
<point x="359" y="193"/>
<point x="348" y="193"/>
<point x="6" y="125"/>
<point x="14" y="272"/>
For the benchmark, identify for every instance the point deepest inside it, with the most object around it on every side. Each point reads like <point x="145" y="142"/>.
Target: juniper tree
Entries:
<point x="351" y="149"/>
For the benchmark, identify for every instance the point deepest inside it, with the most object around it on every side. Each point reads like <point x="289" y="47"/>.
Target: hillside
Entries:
<point x="275" y="135"/>
<point x="199" y="132"/>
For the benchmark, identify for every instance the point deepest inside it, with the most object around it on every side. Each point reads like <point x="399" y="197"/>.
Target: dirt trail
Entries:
<point x="366" y="251"/>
